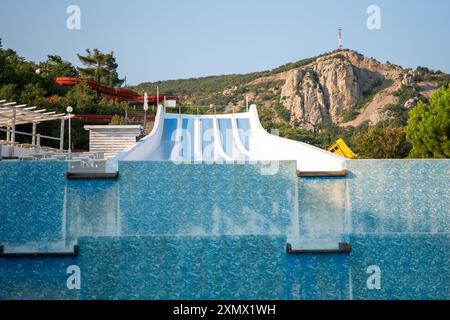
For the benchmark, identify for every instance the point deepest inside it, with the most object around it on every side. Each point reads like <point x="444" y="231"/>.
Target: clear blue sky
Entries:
<point x="171" y="39"/>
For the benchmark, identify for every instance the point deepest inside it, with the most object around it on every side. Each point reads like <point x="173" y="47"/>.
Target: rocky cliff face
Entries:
<point x="342" y="87"/>
<point x="324" y="90"/>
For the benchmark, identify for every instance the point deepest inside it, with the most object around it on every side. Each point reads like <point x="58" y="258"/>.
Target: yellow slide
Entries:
<point x="341" y="148"/>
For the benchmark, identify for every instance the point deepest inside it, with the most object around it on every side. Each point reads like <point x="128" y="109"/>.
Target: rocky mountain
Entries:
<point x="342" y="87"/>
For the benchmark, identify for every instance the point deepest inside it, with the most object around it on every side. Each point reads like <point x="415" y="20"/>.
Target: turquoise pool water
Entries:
<point x="167" y="231"/>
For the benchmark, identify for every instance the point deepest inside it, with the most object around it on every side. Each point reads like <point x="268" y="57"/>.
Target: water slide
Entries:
<point x="237" y="137"/>
<point x="119" y="94"/>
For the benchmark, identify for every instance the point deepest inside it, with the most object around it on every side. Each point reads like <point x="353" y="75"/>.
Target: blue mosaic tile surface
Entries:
<point x="378" y="196"/>
<point x="412" y="266"/>
<point x="400" y="196"/>
<point x="206" y="199"/>
<point x="36" y="279"/>
<point x="211" y="267"/>
<point x="165" y="231"/>
<point x="32" y="202"/>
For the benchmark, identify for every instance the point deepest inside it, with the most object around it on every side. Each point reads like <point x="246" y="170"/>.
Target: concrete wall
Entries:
<point x="111" y="140"/>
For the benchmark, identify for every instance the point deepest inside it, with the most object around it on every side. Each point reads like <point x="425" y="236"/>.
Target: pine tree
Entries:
<point x="101" y="67"/>
<point x="429" y="127"/>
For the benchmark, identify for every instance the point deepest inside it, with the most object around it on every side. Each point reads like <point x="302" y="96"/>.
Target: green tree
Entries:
<point x="32" y="95"/>
<point x="101" y="67"/>
<point x="8" y="92"/>
<point x="117" y="120"/>
<point x="52" y="68"/>
<point x="81" y="98"/>
<point x="382" y="143"/>
<point x="429" y="127"/>
<point x="15" y="70"/>
<point x="55" y="66"/>
<point x="108" y="106"/>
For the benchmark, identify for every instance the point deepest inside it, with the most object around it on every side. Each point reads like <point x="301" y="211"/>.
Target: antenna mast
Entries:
<point x="340" y="40"/>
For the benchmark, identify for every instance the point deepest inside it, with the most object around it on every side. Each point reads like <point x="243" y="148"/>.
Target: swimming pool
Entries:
<point x="179" y="231"/>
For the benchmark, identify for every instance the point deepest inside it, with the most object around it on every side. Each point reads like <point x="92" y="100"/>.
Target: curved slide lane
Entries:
<point x="224" y="138"/>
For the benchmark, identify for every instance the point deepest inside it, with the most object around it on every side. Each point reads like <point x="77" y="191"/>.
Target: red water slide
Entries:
<point x="119" y="94"/>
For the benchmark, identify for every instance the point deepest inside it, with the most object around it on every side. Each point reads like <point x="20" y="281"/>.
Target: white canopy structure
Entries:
<point x="13" y="114"/>
<point x="225" y="138"/>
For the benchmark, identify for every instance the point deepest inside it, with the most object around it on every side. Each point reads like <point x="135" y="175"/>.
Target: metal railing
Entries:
<point x="35" y="141"/>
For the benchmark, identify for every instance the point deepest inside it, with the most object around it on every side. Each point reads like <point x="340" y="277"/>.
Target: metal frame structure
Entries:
<point x="13" y="114"/>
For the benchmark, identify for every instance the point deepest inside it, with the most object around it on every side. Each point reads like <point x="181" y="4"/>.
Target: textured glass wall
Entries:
<point x="167" y="231"/>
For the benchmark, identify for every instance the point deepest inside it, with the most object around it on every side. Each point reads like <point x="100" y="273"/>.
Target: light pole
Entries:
<point x="246" y="102"/>
<point x="69" y="110"/>
<point x="145" y="109"/>
<point x="157" y="95"/>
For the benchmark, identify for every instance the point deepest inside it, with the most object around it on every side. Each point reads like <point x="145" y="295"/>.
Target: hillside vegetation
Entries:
<point x="381" y="110"/>
<point x="224" y="91"/>
<point x="340" y="94"/>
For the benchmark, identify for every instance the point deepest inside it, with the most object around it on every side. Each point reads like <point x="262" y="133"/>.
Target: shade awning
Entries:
<point x="12" y="113"/>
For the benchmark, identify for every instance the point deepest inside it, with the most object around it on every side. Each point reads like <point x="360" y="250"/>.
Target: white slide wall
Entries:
<point x="223" y="138"/>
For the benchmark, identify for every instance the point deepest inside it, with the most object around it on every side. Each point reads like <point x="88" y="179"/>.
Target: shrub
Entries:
<point x="382" y="143"/>
<point x="349" y="115"/>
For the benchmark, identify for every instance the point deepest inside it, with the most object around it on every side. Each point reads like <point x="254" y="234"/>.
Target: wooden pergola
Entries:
<point x="13" y="114"/>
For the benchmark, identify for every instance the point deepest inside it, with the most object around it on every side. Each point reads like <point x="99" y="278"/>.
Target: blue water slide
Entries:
<point x="167" y="141"/>
<point x="207" y="132"/>
<point x="243" y="125"/>
<point x="187" y="139"/>
<point x="226" y="136"/>
<point x="228" y="140"/>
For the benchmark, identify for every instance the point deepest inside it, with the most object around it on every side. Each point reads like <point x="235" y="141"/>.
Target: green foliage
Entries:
<point x="33" y="95"/>
<point x="382" y="143"/>
<point x="322" y="137"/>
<point x="15" y="70"/>
<point x="190" y="110"/>
<point x="210" y="90"/>
<point x="364" y="102"/>
<point x="80" y="137"/>
<point x="425" y="74"/>
<point x="406" y="93"/>
<point x="17" y="74"/>
<point x="108" y="106"/>
<point x="267" y="117"/>
<point x="81" y="98"/>
<point x="429" y="127"/>
<point x="101" y="67"/>
<point x="293" y="65"/>
<point x="349" y="115"/>
<point x="8" y="92"/>
<point x="52" y="68"/>
<point x="283" y="113"/>
<point x="55" y="66"/>
<point x="368" y="142"/>
<point x="117" y="120"/>
<point x="202" y="91"/>
<point x="398" y="115"/>
<point x="369" y="95"/>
